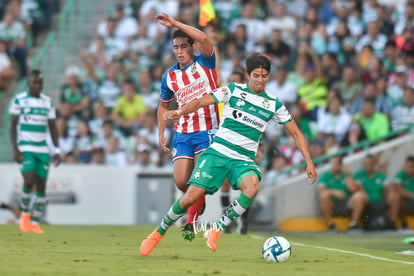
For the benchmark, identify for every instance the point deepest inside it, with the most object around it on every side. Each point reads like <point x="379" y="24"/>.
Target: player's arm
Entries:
<point x="205" y="44"/>
<point x="190" y="107"/>
<point x="55" y="139"/>
<point x="300" y="141"/>
<point x="162" y="124"/>
<point x="17" y="155"/>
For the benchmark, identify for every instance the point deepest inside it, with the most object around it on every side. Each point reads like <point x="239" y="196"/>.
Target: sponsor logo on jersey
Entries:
<point x="197" y="174"/>
<point x="240" y="103"/>
<point x="252" y="108"/>
<point x="206" y="175"/>
<point x="252" y="121"/>
<point x="236" y="114"/>
<point x="267" y="115"/>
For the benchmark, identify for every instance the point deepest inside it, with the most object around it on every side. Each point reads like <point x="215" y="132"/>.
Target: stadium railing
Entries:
<point x="52" y="57"/>
<point x="361" y="146"/>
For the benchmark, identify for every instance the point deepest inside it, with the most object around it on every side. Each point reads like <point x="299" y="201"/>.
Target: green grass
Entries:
<point x="113" y="250"/>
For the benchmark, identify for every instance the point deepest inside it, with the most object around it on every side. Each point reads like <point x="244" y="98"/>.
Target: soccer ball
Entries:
<point x="276" y="249"/>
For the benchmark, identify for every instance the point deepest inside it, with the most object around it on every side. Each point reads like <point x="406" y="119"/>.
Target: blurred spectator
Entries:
<point x="13" y="33"/>
<point x="339" y="194"/>
<point x="373" y="38"/>
<point x="148" y="91"/>
<point x="348" y="86"/>
<point x="65" y="141"/>
<point x="74" y="93"/>
<point x="84" y="143"/>
<point x="406" y="18"/>
<point x="6" y="69"/>
<point x="373" y="71"/>
<point x="113" y="155"/>
<point x="396" y="88"/>
<point x="402" y="115"/>
<point x="170" y="7"/>
<point x="277" y="49"/>
<point x="312" y="94"/>
<point x="108" y="130"/>
<point x="255" y="29"/>
<point x="331" y="68"/>
<point x="404" y="181"/>
<point x="274" y="175"/>
<point x="381" y="199"/>
<point x="282" y="88"/>
<point x="373" y="93"/>
<point x="390" y="56"/>
<point x="129" y="111"/>
<point x="98" y="156"/>
<point x="66" y="112"/>
<point x="335" y="120"/>
<point x="99" y="116"/>
<point x="283" y="22"/>
<point x="375" y="124"/>
<point x="143" y="157"/>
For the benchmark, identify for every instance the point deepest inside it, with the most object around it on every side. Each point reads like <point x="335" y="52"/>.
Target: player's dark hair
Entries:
<point x="257" y="60"/>
<point x="179" y="33"/>
<point x="35" y="73"/>
<point x="410" y="158"/>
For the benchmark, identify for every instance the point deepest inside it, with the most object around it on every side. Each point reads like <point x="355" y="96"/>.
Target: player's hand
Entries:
<point x="311" y="172"/>
<point x="165" y="20"/>
<point x="17" y="156"/>
<point x="57" y="160"/>
<point x="162" y="143"/>
<point x="171" y="115"/>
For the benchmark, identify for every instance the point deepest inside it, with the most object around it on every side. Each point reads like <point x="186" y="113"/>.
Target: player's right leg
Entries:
<point x="29" y="180"/>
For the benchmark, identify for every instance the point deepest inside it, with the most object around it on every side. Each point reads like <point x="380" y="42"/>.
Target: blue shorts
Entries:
<point x="186" y="145"/>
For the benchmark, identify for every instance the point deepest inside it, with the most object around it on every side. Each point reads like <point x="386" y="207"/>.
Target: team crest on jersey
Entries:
<point x="197" y="174"/>
<point x="193" y="68"/>
<point x="240" y="103"/>
<point x="266" y="103"/>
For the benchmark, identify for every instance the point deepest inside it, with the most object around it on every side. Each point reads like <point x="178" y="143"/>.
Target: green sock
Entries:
<point x="25" y="200"/>
<point x="39" y="207"/>
<point x="234" y="210"/>
<point x="171" y="217"/>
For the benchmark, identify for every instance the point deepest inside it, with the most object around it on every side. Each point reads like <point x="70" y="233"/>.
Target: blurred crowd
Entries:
<point x="21" y="23"/>
<point x="344" y="69"/>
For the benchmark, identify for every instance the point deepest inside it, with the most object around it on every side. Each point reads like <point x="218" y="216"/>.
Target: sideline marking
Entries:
<point x="344" y="251"/>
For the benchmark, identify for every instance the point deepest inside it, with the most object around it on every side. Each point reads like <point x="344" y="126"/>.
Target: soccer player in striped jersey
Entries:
<point x="33" y="116"/>
<point x="247" y="111"/>
<point x="192" y="77"/>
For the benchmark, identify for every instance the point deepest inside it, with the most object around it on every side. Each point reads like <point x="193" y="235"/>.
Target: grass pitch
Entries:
<point x="113" y="250"/>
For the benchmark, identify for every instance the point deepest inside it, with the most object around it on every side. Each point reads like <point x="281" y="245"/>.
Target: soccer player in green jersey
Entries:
<point x="247" y="111"/>
<point x="404" y="181"/>
<point x="338" y="194"/>
<point x="33" y="116"/>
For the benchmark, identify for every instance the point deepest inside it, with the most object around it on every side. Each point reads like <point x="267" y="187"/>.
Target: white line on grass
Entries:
<point x="344" y="251"/>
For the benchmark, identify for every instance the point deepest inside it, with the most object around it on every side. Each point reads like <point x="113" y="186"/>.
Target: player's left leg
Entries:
<point x="29" y="180"/>
<point x="39" y="206"/>
<point x="248" y="177"/>
<point x="176" y="211"/>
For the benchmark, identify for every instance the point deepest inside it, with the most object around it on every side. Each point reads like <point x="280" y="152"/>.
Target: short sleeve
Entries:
<point x="222" y="94"/>
<point x="14" y="108"/>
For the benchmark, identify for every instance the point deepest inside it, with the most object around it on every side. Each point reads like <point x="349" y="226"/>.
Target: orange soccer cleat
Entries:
<point x="150" y="242"/>
<point x="36" y="229"/>
<point x="212" y="237"/>
<point x="25" y="222"/>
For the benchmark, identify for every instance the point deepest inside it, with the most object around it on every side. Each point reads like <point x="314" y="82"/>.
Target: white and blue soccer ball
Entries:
<point x="276" y="249"/>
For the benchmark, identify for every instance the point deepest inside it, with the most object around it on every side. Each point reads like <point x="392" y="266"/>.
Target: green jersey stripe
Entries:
<point x="33" y="128"/>
<point x="41" y="143"/>
<point x="252" y="108"/>
<point x="240" y="150"/>
<point x="244" y="130"/>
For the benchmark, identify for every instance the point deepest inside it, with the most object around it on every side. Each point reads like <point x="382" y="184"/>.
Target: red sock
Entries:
<point x="195" y="210"/>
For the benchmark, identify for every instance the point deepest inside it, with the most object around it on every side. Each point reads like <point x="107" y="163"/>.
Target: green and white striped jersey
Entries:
<point x="244" y="119"/>
<point x="34" y="115"/>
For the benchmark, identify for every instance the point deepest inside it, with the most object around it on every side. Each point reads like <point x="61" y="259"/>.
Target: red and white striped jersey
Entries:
<point x="188" y="84"/>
